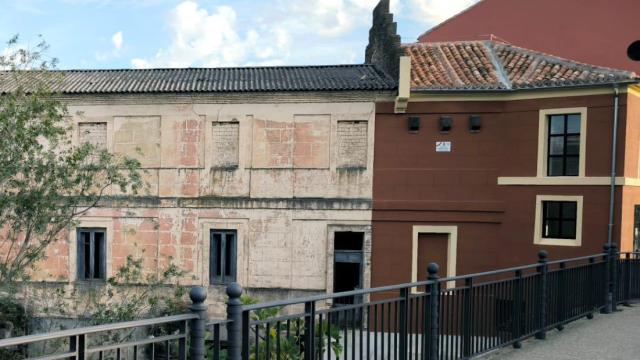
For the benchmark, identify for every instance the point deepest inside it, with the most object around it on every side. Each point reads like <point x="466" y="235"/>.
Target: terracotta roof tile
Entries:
<point x="491" y="65"/>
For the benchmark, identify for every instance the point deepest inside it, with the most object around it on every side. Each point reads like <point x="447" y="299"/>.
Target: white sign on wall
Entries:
<point x="443" y="146"/>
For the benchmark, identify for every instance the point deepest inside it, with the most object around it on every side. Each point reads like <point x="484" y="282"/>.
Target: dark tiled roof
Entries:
<point x="491" y="65"/>
<point x="246" y="79"/>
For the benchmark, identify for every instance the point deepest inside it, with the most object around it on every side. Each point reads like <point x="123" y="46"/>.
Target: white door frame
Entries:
<point x="452" y="247"/>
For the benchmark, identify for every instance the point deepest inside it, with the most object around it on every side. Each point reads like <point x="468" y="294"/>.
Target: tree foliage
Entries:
<point x="46" y="181"/>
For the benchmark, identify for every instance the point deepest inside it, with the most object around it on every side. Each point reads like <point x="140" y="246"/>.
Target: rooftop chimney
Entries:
<point x="384" y="48"/>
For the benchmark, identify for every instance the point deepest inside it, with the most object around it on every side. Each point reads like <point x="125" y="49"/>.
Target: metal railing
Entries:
<point x="123" y="340"/>
<point x="438" y="318"/>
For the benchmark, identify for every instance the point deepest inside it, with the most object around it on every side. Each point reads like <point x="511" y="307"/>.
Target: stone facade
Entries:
<point x="284" y="176"/>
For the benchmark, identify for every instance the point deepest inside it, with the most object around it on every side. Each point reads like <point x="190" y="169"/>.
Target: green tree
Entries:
<point x="46" y="181"/>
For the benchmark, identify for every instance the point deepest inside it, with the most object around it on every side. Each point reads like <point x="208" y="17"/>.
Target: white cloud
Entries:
<point x="433" y="12"/>
<point x="200" y="37"/>
<point x="331" y="18"/>
<point x="280" y="31"/>
<point x="116" y="39"/>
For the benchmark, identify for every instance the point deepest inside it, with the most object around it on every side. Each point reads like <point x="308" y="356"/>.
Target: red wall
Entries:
<point x="596" y="32"/>
<point x="414" y="185"/>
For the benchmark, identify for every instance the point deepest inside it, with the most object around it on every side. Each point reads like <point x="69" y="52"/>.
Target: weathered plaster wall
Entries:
<point x="280" y="174"/>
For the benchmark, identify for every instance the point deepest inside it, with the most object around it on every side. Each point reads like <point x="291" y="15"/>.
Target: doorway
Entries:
<point x="429" y="242"/>
<point x="347" y="274"/>
<point x="347" y="265"/>
<point x="432" y="247"/>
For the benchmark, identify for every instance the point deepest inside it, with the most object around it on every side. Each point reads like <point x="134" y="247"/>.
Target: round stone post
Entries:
<point x="197" y="332"/>
<point x="234" y="326"/>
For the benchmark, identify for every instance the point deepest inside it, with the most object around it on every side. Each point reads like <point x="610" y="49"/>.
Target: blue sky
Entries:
<point x="181" y="33"/>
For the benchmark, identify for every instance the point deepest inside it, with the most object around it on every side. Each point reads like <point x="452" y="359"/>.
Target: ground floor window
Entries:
<point x="91" y="254"/>
<point x="222" y="260"/>
<point x="558" y="220"/>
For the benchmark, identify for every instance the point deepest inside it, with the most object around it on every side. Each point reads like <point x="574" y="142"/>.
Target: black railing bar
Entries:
<point x="325" y="311"/>
<point x="95" y="329"/>
<point x="363" y="305"/>
<point x="66" y="355"/>
<point x="420" y="294"/>
<point x="479" y="285"/>
<point x="218" y="322"/>
<point x="576" y="259"/>
<point x="322" y="297"/>
<point x="568" y="320"/>
<point x="338" y="309"/>
<point x="580" y="265"/>
<point x="153" y="340"/>
<point x="278" y="318"/>
<point x="452" y="291"/>
<point x="398" y="286"/>
<point x="488" y="273"/>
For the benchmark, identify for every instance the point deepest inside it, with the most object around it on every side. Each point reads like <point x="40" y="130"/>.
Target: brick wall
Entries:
<point x="352" y="144"/>
<point x="94" y="134"/>
<point x="225" y="138"/>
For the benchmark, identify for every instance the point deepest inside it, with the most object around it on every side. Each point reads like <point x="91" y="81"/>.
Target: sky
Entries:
<point x="90" y="34"/>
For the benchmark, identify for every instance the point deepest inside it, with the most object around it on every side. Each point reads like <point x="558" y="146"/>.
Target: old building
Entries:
<point x="257" y="175"/>
<point x="492" y="152"/>
<point x="595" y="32"/>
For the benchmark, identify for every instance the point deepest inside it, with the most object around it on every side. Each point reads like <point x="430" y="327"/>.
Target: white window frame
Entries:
<point x="537" y="233"/>
<point x="90" y="222"/>
<point x="543" y="133"/>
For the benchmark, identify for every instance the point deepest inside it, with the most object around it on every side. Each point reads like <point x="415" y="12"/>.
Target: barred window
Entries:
<point x="91" y="254"/>
<point x="222" y="262"/>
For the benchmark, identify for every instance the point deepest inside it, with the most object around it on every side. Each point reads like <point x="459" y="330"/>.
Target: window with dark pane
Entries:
<point x="563" y="155"/>
<point x="91" y="254"/>
<point x="222" y="263"/>
<point x="559" y="219"/>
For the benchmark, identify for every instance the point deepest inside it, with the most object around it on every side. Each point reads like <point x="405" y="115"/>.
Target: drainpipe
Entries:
<point x="610" y="306"/>
<point x="614" y="145"/>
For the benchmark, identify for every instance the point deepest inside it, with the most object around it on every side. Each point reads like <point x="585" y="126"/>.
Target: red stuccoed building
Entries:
<point x="492" y="152"/>
<point x="591" y="31"/>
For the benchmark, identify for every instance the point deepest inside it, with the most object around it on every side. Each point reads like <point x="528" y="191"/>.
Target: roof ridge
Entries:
<point x="497" y="64"/>
<point x="437" y="43"/>
<point x="563" y="60"/>
<point x="213" y="68"/>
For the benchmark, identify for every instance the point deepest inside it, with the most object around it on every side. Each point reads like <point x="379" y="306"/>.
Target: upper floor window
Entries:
<point x="91" y="254"/>
<point x="562" y="148"/>
<point x="222" y="260"/>
<point x="563" y="145"/>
